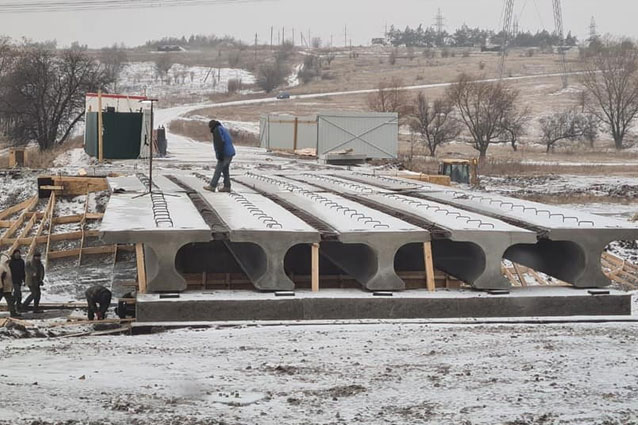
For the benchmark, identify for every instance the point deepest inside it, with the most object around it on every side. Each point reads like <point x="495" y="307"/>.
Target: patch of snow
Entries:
<point x="181" y="80"/>
<point x="293" y="79"/>
<point x="74" y="158"/>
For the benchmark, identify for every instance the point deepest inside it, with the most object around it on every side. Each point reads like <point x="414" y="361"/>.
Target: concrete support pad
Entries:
<point x="352" y="304"/>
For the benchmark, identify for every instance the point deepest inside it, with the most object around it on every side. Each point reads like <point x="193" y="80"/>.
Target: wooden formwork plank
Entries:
<point x="51" y="211"/>
<point x="17" y="223"/>
<point x="83" y="225"/>
<point x="429" y="267"/>
<point x="315" y="267"/>
<point x="510" y="276"/>
<point x="141" y="268"/>
<point x="16" y="208"/>
<point x="520" y="275"/>
<point x="35" y="240"/>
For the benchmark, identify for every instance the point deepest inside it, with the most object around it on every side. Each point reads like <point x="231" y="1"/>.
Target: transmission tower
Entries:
<point x="593" y="30"/>
<point x="508" y="13"/>
<point x="507" y="30"/>
<point x="558" y="23"/>
<point x="439" y="22"/>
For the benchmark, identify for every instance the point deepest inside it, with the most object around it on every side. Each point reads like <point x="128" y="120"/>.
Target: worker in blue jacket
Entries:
<point x="224" y="151"/>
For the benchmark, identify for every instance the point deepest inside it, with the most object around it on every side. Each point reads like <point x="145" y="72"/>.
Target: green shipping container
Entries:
<point x="122" y="134"/>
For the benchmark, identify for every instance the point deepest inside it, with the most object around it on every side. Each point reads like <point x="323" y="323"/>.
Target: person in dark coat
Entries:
<point x="224" y="152"/>
<point x="34" y="278"/>
<point x="17" y="274"/>
<point x="98" y="299"/>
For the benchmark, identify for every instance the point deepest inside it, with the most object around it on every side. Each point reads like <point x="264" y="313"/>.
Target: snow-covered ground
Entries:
<point x="335" y="374"/>
<point x="185" y="81"/>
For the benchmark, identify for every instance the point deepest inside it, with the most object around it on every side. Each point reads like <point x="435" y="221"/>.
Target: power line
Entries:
<point x="82" y="5"/>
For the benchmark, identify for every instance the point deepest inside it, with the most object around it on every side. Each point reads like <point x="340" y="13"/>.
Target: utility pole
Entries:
<point x="256" y="41"/>
<point x="345" y="37"/>
<point x="293" y="36"/>
<point x="272" y="29"/>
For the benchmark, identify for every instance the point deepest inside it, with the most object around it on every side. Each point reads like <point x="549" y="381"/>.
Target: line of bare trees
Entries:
<point x="42" y="91"/>
<point x="484" y="113"/>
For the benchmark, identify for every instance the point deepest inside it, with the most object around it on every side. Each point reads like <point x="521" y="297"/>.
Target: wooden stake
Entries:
<point x="315" y="267"/>
<point x="429" y="267"/>
<point x="100" y="137"/>
<point x="294" y="146"/>
<point x="141" y="268"/>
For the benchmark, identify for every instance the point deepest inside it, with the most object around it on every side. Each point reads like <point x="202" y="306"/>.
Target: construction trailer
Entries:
<point x="125" y="126"/>
<point x="371" y="135"/>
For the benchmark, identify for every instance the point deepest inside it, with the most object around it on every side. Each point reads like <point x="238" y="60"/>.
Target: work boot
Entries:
<point x="14" y="314"/>
<point x="209" y="188"/>
<point x="225" y="189"/>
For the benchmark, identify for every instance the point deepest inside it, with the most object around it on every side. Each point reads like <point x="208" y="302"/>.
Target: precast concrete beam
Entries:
<point x="473" y="246"/>
<point x="367" y="240"/>
<point x="164" y="224"/>
<point x="260" y="233"/>
<point x="570" y="243"/>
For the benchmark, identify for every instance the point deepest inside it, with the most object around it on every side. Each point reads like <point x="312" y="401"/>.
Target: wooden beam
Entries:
<point x="51" y="211"/>
<point x="14" y="209"/>
<point x="6" y="223"/>
<point x="100" y="124"/>
<point x="52" y="187"/>
<point x="16" y="224"/>
<point x="521" y="279"/>
<point x="52" y="255"/>
<point x="429" y="267"/>
<point x="96" y="250"/>
<point x="35" y="240"/>
<point x="315" y="267"/>
<point x="83" y="224"/>
<point x="141" y="268"/>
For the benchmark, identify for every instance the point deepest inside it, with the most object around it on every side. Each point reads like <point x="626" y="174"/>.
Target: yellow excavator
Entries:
<point x="463" y="171"/>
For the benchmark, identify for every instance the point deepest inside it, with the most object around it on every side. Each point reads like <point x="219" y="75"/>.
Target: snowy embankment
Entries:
<point x="368" y="374"/>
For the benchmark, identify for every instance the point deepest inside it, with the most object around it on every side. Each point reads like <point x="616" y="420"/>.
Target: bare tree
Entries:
<point x="163" y="63"/>
<point x="113" y="59"/>
<point x="316" y="42"/>
<point x="489" y="111"/>
<point x="390" y="97"/>
<point x="611" y="80"/>
<point x="434" y="123"/>
<point x="43" y="93"/>
<point x="568" y="125"/>
<point x="271" y="75"/>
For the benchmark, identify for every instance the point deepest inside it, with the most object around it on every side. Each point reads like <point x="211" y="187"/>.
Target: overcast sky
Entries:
<point x="364" y="18"/>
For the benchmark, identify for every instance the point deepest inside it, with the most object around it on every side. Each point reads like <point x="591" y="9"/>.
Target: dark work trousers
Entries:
<point x="103" y="300"/>
<point x="222" y="167"/>
<point x="17" y="296"/>
<point x="33" y="296"/>
<point x="7" y="296"/>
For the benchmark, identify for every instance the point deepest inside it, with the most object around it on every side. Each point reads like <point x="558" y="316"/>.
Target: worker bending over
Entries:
<point x="99" y="299"/>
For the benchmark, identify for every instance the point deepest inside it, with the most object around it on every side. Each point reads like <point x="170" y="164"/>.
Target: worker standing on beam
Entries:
<point x="98" y="299"/>
<point x="34" y="279"/>
<point x="18" y="274"/>
<point x="224" y="151"/>
<point x="6" y="284"/>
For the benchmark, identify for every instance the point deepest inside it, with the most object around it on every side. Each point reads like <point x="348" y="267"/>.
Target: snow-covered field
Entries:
<point x="340" y="374"/>
<point x="189" y="82"/>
